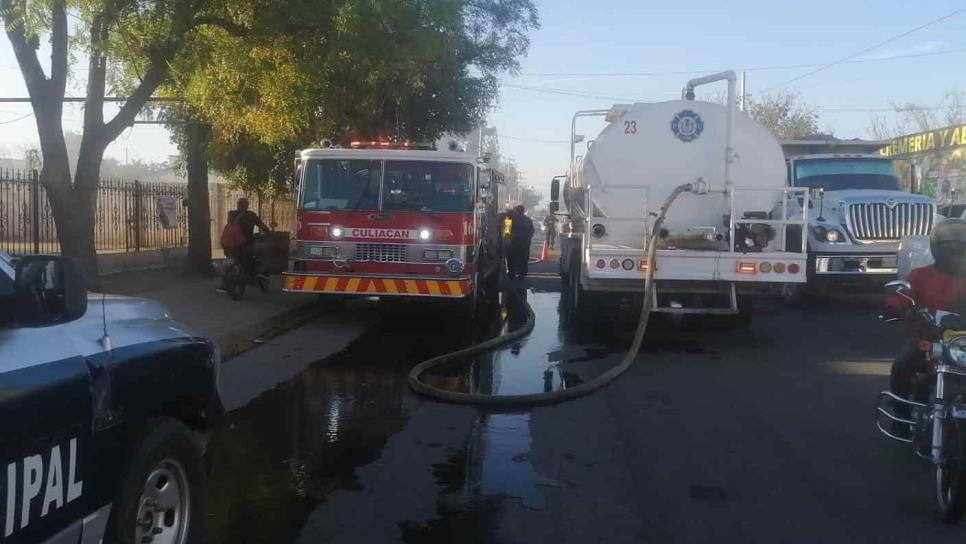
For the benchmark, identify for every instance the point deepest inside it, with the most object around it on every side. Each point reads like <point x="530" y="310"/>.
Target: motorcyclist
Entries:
<point x="941" y="286"/>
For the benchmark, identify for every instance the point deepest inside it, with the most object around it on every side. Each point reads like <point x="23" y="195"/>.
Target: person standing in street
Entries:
<point x="521" y="233"/>
<point x="550" y="222"/>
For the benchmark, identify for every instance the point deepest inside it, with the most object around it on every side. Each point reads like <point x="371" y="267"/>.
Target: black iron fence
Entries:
<point x="130" y="215"/>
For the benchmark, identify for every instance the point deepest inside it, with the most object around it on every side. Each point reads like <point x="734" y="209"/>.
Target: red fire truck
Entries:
<point x="395" y="219"/>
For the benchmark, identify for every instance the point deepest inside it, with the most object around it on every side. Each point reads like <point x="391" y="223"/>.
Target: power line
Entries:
<point x="535" y="140"/>
<point x="876" y="46"/>
<point x="21" y="118"/>
<point x="568" y="92"/>
<point x="749" y="69"/>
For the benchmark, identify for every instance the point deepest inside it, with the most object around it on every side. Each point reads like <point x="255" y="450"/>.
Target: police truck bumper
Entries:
<point x="376" y="286"/>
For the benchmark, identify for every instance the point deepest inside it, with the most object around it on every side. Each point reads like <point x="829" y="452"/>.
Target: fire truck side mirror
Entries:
<point x="296" y="174"/>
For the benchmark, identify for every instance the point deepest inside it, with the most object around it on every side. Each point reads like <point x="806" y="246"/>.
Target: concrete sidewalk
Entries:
<point x="235" y="325"/>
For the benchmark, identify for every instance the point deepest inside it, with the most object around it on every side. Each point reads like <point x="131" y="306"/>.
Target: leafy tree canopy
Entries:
<point x="278" y="75"/>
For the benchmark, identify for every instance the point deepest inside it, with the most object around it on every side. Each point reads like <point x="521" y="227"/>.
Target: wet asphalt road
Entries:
<point x="759" y="435"/>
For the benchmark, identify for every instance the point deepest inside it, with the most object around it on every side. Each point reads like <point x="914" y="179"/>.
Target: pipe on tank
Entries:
<point x="732" y="78"/>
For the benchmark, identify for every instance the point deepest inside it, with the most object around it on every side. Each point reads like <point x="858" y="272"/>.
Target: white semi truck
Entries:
<point x="741" y="227"/>
<point x="859" y="215"/>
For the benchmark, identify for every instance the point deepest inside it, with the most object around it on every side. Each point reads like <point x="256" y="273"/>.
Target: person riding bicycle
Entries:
<point x="244" y="254"/>
<point x="941" y="286"/>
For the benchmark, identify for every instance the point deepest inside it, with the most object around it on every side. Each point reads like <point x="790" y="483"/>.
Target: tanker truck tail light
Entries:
<point x="793" y="268"/>
<point x="765" y="267"/>
<point x="779" y="268"/>
<point x="615" y="264"/>
<point x="747" y="268"/>
<point x="601" y="263"/>
<point x="627" y="264"/>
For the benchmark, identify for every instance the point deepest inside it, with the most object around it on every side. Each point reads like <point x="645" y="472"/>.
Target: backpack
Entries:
<point x="232" y="236"/>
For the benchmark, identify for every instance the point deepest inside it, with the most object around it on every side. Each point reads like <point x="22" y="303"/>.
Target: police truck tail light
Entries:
<point x="747" y="268"/>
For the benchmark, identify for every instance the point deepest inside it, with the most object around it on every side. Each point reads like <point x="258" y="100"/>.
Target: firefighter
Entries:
<point x="521" y="232"/>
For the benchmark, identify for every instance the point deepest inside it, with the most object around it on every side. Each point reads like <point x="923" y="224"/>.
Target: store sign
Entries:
<point x="934" y="140"/>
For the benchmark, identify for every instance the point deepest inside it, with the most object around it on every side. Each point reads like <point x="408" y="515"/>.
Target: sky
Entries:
<point x="689" y="38"/>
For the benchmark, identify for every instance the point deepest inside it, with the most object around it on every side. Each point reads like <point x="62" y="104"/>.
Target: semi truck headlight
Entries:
<point x="957" y="350"/>
<point x="828" y="235"/>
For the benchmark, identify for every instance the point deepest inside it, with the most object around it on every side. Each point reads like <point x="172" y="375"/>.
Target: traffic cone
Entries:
<point x="544" y="253"/>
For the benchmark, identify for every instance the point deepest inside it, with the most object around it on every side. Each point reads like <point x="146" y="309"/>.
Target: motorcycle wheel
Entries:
<point x="951" y="474"/>
<point x="236" y="282"/>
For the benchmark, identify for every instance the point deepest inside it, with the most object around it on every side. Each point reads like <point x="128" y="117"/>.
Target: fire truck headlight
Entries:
<point x="439" y="255"/>
<point x="336" y="232"/>
<point x="425" y="234"/>
<point x="454" y="266"/>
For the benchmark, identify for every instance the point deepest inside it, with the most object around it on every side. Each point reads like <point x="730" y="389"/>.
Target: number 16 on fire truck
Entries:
<point x="395" y="219"/>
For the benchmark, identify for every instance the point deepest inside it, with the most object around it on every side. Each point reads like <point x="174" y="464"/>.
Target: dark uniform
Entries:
<point x="518" y="252"/>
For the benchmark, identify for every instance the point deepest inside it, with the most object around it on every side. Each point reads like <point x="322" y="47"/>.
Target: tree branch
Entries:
<point x="96" y="77"/>
<point x="58" y="47"/>
<point x="14" y="13"/>
<point x="232" y="28"/>
<point x="153" y="79"/>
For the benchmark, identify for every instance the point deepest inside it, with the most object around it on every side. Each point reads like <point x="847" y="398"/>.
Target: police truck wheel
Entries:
<point x="162" y="498"/>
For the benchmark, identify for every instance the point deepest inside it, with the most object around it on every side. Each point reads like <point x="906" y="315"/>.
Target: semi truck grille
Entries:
<point x="381" y="253"/>
<point x="873" y="221"/>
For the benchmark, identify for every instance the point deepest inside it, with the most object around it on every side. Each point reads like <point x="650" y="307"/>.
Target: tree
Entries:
<point x="285" y="74"/>
<point x="783" y="115"/>
<point x="137" y="38"/>
<point x="910" y="117"/>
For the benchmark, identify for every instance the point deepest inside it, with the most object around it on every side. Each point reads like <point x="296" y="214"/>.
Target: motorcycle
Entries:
<point x="936" y="426"/>
<point x="236" y="277"/>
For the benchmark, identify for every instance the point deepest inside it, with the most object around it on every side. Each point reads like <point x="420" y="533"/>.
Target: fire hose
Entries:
<point x="570" y="393"/>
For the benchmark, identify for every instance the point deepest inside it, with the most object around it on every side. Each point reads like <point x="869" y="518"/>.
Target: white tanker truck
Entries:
<point x="739" y="227"/>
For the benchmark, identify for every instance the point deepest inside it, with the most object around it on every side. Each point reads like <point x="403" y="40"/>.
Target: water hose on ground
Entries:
<point x="552" y="397"/>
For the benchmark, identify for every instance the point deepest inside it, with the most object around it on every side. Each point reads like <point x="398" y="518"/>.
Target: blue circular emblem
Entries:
<point x="687" y="126"/>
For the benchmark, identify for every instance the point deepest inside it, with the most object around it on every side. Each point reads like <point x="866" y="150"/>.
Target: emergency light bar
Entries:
<point x="391" y="145"/>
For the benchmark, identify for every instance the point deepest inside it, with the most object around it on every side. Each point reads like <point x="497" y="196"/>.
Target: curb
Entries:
<point x="237" y="342"/>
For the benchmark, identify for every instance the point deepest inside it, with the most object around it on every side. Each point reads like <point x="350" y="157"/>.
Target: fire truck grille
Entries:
<point x="879" y="221"/>
<point x="381" y="253"/>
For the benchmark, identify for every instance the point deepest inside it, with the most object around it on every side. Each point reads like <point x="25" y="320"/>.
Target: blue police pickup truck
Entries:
<point x="105" y="404"/>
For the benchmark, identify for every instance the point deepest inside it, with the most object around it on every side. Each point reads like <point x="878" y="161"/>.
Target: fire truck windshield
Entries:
<point x="419" y="186"/>
<point x="335" y="184"/>
<point x="427" y="186"/>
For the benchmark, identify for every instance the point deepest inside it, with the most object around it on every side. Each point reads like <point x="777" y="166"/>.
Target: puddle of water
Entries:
<point x="279" y="456"/>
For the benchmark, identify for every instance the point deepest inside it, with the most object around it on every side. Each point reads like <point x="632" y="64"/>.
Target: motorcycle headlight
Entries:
<point x="956" y="349"/>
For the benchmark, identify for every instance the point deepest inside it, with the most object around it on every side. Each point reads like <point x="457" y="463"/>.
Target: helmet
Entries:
<point x="948" y="245"/>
